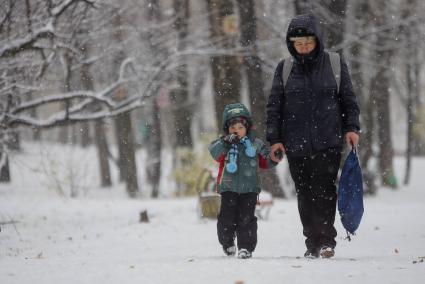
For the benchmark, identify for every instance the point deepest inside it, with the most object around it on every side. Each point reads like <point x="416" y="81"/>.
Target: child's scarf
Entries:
<point x="231" y="166"/>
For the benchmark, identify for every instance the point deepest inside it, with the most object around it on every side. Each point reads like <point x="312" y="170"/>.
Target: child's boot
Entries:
<point x="229" y="251"/>
<point x="244" y="254"/>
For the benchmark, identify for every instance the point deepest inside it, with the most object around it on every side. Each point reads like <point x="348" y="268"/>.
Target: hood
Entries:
<point x="235" y="110"/>
<point x="304" y="24"/>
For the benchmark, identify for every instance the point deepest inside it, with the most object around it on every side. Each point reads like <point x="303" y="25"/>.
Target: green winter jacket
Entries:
<point x="245" y="179"/>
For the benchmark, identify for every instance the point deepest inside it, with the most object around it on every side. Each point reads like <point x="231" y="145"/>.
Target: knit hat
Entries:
<point x="299" y="32"/>
<point x="234" y="113"/>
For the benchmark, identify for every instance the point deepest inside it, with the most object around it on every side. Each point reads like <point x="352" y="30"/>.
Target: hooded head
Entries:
<point x="303" y="26"/>
<point x="234" y="113"/>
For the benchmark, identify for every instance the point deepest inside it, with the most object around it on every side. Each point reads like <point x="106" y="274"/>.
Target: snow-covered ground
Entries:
<point x="97" y="237"/>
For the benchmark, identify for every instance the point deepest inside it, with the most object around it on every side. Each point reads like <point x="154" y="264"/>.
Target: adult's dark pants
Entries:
<point x="237" y="220"/>
<point x="315" y="179"/>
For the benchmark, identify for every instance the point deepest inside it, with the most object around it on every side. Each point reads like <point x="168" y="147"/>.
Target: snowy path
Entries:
<point x="99" y="240"/>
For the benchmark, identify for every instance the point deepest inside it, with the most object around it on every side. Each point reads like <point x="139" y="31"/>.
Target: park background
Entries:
<point x="106" y="111"/>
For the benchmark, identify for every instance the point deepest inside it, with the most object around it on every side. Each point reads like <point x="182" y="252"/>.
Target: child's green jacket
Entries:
<point x="245" y="179"/>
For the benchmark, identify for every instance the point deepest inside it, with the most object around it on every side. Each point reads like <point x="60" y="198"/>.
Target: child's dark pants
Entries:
<point x="314" y="179"/>
<point x="237" y="219"/>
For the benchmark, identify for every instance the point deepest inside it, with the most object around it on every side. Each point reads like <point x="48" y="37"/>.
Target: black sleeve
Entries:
<point x="349" y="107"/>
<point x="274" y="107"/>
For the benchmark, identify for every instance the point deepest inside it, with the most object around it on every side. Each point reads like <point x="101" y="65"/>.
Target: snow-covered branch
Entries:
<point x="21" y="44"/>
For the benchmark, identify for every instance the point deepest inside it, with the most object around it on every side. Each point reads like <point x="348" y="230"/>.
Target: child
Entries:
<point x="238" y="153"/>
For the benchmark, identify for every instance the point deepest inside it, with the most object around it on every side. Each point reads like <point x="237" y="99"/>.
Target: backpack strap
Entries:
<point x="336" y="67"/>
<point x="335" y="64"/>
<point x="287" y="67"/>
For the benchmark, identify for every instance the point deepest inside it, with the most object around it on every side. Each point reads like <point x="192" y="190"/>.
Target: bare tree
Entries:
<point x="35" y="54"/>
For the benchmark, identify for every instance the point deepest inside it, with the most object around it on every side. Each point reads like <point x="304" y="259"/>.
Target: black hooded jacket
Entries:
<point x="309" y="115"/>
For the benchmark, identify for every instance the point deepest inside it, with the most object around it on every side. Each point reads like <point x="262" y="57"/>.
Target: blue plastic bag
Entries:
<point x="350" y="194"/>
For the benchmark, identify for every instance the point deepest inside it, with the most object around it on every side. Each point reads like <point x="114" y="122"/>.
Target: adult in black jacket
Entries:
<point x="309" y="119"/>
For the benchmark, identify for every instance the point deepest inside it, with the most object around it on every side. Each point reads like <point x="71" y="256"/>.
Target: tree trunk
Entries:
<point x="410" y="55"/>
<point x="381" y="94"/>
<point x="418" y="143"/>
<point x="84" y="129"/>
<point x="153" y="165"/>
<point x="409" y="111"/>
<point x="225" y="68"/>
<point x="4" y="168"/>
<point x="36" y="132"/>
<point x="182" y="109"/>
<point x="253" y="70"/>
<point x="99" y="129"/>
<point x="65" y="130"/>
<point x="126" y="159"/>
<point x="86" y="82"/>
<point x="154" y="139"/>
<point x="124" y="131"/>
<point x="102" y="153"/>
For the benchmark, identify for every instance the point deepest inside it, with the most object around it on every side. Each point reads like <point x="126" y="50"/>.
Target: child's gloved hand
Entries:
<point x="231" y="139"/>
<point x="249" y="149"/>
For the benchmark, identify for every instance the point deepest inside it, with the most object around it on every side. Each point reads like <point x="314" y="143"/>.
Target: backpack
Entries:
<point x="350" y="194"/>
<point x="335" y="64"/>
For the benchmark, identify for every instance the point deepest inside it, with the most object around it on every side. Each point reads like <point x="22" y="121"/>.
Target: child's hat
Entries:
<point x="234" y="113"/>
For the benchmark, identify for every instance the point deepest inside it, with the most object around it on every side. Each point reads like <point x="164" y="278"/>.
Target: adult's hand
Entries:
<point x="273" y="149"/>
<point x="352" y="139"/>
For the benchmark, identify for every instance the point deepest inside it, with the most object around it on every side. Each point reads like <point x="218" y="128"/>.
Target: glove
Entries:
<point x="231" y="139"/>
<point x="249" y="149"/>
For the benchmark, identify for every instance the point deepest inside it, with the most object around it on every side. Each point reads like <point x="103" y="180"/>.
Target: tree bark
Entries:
<point x="225" y="68"/>
<point x="126" y="159"/>
<point x="102" y="153"/>
<point x="99" y="129"/>
<point x="253" y="70"/>
<point x="84" y="129"/>
<point x="153" y="165"/>
<point x="409" y="111"/>
<point x="154" y="139"/>
<point x="411" y="59"/>
<point x="124" y="131"/>
<point x="65" y="130"/>
<point x="4" y="170"/>
<point x="381" y="94"/>
<point x="182" y="109"/>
